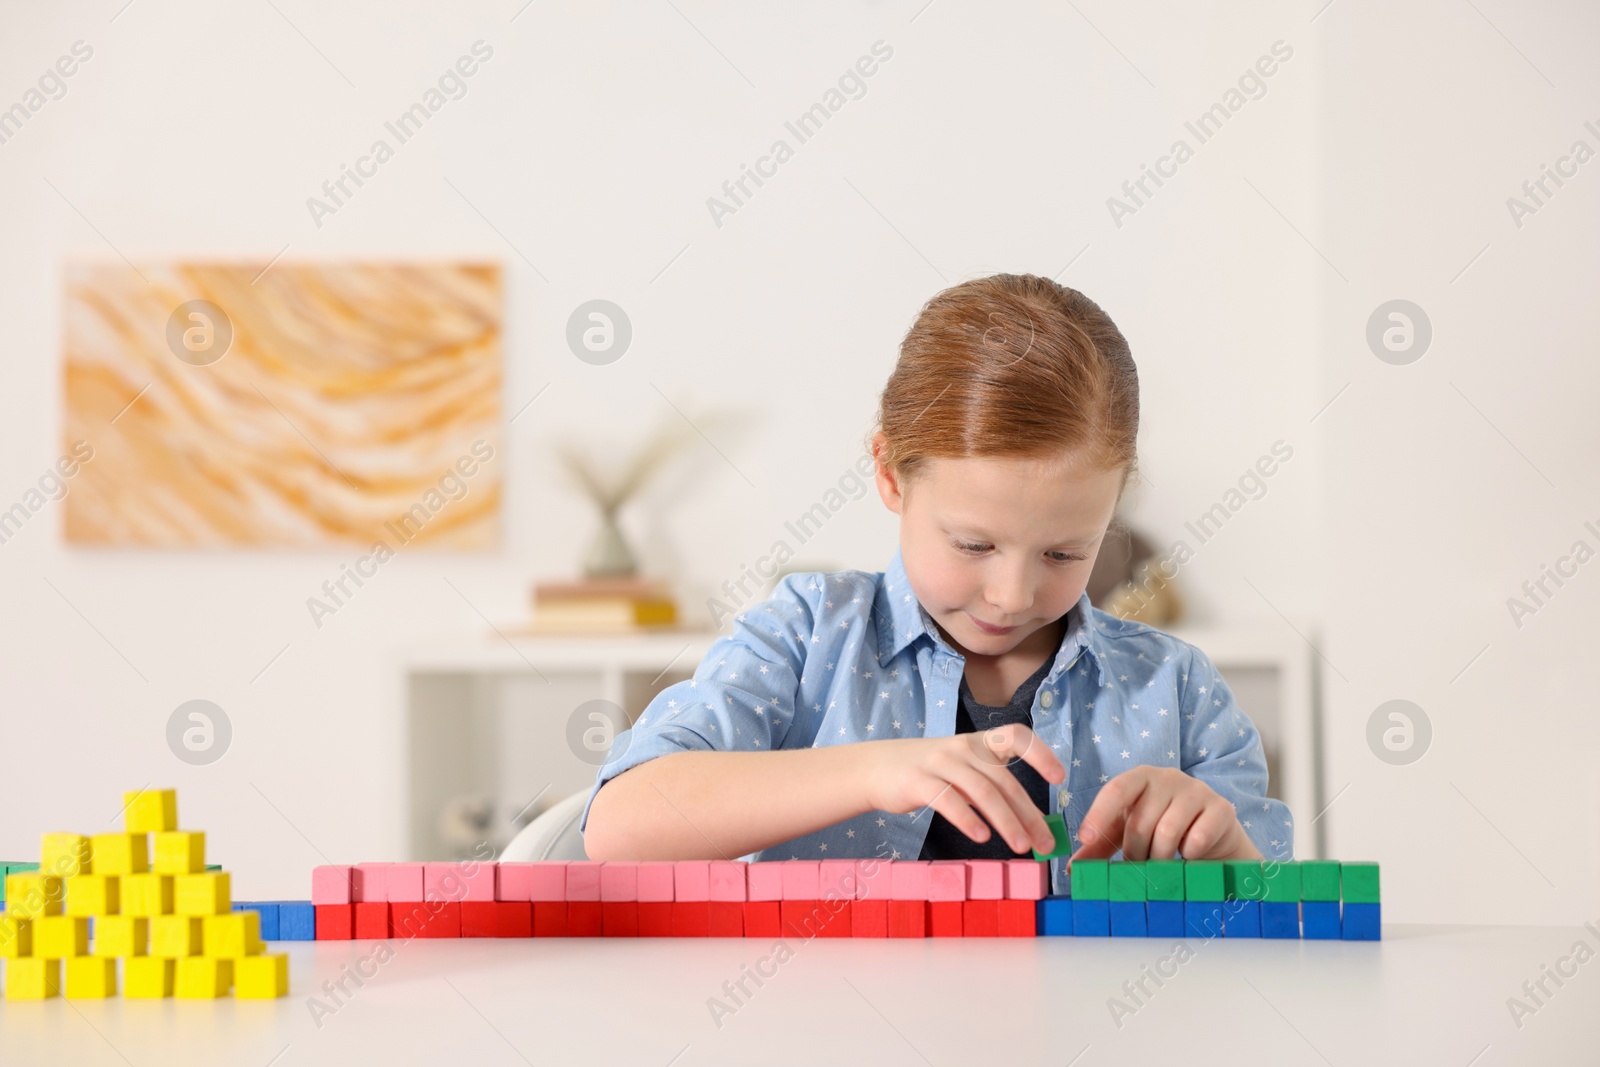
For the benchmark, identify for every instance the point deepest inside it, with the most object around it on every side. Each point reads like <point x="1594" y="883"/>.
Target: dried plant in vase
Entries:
<point x="609" y="555"/>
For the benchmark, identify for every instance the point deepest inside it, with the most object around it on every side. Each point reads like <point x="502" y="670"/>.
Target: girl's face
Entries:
<point x="999" y="549"/>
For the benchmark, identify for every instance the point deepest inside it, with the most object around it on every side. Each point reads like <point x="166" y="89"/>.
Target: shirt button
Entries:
<point x="1046" y="697"/>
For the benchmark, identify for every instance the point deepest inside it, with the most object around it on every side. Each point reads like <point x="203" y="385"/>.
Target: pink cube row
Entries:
<point x="686" y="880"/>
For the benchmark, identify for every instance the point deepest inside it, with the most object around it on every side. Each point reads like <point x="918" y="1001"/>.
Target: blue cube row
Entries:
<point x="284" y="920"/>
<point x="1311" y="920"/>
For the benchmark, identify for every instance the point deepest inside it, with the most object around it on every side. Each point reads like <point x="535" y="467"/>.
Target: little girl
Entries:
<point x="940" y="708"/>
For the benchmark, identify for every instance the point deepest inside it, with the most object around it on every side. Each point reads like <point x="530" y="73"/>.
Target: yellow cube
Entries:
<point x="93" y="894"/>
<point x="261" y="977"/>
<point x="235" y="934"/>
<point x="206" y="893"/>
<point x="57" y="937"/>
<point x="121" y="853"/>
<point x="91" y="977"/>
<point x="147" y="977"/>
<point x="146" y="894"/>
<point x="203" y="977"/>
<point x="16" y="937"/>
<point x="32" y="894"/>
<point x="64" y="854"/>
<point x="180" y="852"/>
<point x="149" y="811"/>
<point x="117" y="936"/>
<point x="32" y="978"/>
<point x="174" y="936"/>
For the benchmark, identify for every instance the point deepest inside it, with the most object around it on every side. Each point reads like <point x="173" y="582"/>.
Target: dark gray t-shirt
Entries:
<point x="945" y="841"/>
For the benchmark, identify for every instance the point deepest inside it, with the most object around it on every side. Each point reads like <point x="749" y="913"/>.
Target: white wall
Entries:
<point x="990" y="141"/>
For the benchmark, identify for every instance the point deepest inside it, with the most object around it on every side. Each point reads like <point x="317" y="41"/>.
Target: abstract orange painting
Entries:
<point x="308" y="405"/>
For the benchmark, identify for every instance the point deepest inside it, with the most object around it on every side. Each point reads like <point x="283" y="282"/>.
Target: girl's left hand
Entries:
<point x="1155" y="812"/>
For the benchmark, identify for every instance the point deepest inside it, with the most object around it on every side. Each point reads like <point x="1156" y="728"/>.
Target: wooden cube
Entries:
<point x="149" y="811"/>
<point x="93" y="894"/>
<point x="238" y="933"/>
<point x="16" y="937"/>
<point x="32" y="894"/>
<point x="147" y="977"/>
<point x="145" y="894"/>
<point x="119" y="936"/>
<point x="331" y="884"/>
<point x="202" y="977"/>
<point x="91" y="977"/>
<point x="261" y="977"/>
<point x="120" y="853"/>
<point x="57" y="937"/>
<point x="67" y="855"/>
<point x="33" y="978"/>
<point x="174" y="936"/>
<point x="180" y="852"/>
<point x="206" y="893"/>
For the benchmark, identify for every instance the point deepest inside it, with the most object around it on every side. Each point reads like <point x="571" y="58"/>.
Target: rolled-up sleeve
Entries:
<point x="1222" y="748"/>
<point x="741" y="697"/>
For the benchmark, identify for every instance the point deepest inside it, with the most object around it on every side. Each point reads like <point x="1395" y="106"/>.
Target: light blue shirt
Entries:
<point x="838" y="657"/>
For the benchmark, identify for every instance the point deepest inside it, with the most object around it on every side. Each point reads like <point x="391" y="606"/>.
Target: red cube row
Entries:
<point x="829" y="917"/>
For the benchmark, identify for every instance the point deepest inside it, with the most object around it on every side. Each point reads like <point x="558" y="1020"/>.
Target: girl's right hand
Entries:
<point x="957" y="774"/>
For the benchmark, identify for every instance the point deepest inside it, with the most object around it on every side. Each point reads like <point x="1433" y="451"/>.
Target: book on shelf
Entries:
<point x="602" y="606"/>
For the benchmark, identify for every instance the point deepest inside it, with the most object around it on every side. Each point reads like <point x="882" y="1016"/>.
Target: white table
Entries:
<point x="1424" y="995"/>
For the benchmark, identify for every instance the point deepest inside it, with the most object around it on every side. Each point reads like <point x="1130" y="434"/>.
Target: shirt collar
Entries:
<point x="902" y="620"/>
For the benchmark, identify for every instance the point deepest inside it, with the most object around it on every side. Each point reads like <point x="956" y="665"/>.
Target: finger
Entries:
<point x="1208" y="830"/>
<point x="1018" y="742"/>
<point x="992" y="752"/>
<point x="987" y="790"/>
<point x="1180" y="814"/>
<point x="948" y="801"/>
<point x="1145" y="815"/>
<point x="1102" y="826"/>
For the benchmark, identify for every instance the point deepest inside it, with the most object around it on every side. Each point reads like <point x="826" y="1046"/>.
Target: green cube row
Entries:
<point x="1217" y="880"/>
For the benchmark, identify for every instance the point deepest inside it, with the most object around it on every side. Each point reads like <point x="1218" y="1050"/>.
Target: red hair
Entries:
<point x="1010" y="365"/>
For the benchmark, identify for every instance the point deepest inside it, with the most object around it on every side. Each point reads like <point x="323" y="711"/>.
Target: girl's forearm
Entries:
<point x="723" y="805"/>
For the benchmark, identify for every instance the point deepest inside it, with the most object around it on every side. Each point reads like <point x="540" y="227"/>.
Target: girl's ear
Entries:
<point x="889" y="488"/>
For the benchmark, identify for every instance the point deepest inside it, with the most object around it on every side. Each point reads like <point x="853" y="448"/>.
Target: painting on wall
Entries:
<point x="311" y="405"/>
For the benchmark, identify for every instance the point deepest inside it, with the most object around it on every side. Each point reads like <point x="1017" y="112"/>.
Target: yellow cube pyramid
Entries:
<point x="172" y="926"/>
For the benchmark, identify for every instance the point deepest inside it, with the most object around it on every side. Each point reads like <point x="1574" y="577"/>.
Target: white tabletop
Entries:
<point x="1424" y="995"/>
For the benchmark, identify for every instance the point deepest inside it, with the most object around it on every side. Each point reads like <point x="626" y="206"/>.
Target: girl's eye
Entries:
<point x="1056" y="557"/>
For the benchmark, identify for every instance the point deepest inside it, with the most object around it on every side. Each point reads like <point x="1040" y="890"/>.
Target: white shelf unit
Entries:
<point x="490" y="718"/>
